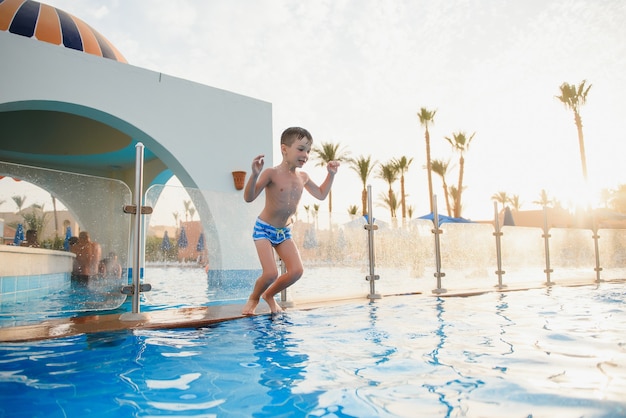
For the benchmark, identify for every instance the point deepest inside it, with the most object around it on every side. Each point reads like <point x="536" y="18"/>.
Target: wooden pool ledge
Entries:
<point x="196" y="317"/>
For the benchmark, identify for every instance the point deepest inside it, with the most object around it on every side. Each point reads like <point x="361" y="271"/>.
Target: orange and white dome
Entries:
<point x="49" y="24"/>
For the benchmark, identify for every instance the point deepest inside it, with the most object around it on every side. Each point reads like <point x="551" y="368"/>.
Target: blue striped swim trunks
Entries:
<point x="263" y="230"/>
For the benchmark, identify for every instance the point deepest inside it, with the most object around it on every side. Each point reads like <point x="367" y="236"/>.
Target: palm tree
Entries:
<point x="500" y="197"/>
<point x="363" y="166"/>
<point x="19" y="202"/>
<point x="573" y="98"/>
<point x="460" y="143"/>
<point x="456" y="198"/>
<point x="515" y="202"/>
<point x="187" y="204"/>
<point x="402" y="165"/>
<point x="389" y="173"/>
<point x="326" y="153"/>
<point x="316" y="212"/>
<point x="34" y="220"/>
<point x="544" y="200"/>
<point x="427" y="117"/>
<point x="440" y="167"/>
<point x="390" y="201"/>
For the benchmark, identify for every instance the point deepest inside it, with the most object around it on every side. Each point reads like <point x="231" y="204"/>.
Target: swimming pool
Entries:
<point x="558" y="351"/>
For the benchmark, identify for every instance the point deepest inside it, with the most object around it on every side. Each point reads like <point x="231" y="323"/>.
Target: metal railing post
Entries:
<point x="546" y="238"/>
<point x="138" y="211"/>
<point x="371" y="227"/>
<point x="596" y="237"/>
<point x="438" y="273"/>
<point x="498" y="235"/>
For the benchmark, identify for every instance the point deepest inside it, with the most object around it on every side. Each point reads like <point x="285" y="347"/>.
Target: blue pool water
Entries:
<point x="558" y="351"/>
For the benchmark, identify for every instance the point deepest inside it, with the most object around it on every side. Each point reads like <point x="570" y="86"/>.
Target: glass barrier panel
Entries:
<point x="334" y="258"/>
<point x="198" y="249"/>
<point x="405" y="259"/>
<point x="612" y="253"/>
<point x="572" y="255"/>
<point x="334" y="251"/>
<point x="468" y="256"/>
<point x="41" y="280"/>
<point x="523" y="256"/>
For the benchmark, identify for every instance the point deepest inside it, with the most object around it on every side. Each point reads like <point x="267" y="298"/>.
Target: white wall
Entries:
<point x="201" y="133"/>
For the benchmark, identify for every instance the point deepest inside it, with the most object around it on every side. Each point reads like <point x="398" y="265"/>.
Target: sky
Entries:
<point x="355" y="73"/>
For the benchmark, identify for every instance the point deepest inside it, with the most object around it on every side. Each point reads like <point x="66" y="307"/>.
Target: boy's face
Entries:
<point x="298" y="152"/>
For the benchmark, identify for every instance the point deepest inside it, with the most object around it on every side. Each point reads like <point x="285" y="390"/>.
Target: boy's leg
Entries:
<point x="268" y="276"/>
<point x="288" y="252"/>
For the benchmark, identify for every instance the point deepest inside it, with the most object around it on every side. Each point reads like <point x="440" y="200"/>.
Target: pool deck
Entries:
<point x="192" y="317"/>
<point x="196" y="317"/>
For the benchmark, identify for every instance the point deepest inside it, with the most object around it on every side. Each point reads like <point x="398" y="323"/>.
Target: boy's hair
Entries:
<point x="290" y="135"/>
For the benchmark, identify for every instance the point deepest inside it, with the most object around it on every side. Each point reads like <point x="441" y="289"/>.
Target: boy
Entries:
<point x="283" y="187"/>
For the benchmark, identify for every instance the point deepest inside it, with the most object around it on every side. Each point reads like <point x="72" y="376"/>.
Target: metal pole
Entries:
<point x="546" y="237"/>
<point x="596" y="237"/>
<point x="370" y="227"/>
<point x="498" y="235"/>
<point x="138" y="210"/>
<point x="437" y="231"/>
<point x="139" y="149"/>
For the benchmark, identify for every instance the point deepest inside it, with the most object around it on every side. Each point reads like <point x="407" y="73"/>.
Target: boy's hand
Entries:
<point x="257" y="164"/>
<point x="333" y="166"/>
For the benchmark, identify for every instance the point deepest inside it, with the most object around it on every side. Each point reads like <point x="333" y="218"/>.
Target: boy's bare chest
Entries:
<point x="288" y="188"/>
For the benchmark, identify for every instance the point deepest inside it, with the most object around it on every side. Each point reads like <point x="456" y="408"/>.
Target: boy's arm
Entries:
<point x="258" y="180"/>
<point x="320" y="192"/>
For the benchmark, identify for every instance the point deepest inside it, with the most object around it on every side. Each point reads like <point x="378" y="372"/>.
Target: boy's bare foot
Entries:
<point x="249" y="307"/>
<point x="274" y="308"/>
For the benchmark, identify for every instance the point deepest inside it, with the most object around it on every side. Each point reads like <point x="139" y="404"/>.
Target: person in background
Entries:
<point x="31" y="239"/>
<point x="283" y="187"/>
<point x="109" y="267"/>
<point x="88" y="254"/>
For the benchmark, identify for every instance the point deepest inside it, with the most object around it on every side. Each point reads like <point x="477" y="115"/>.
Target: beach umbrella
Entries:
<point x="68" y="235"/>
<point x="200" y="246"/>
<point x="182" y="239"/>
<point x="444" y="219"/>
<point x="19" y="235"/>
<point x="165" y="244"/>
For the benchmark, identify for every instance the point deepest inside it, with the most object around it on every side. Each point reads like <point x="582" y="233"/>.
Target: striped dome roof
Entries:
<point x="49" y="24"/>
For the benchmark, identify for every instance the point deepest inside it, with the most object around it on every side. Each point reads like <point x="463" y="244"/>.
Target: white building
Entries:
<point x="69" y="101"/>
